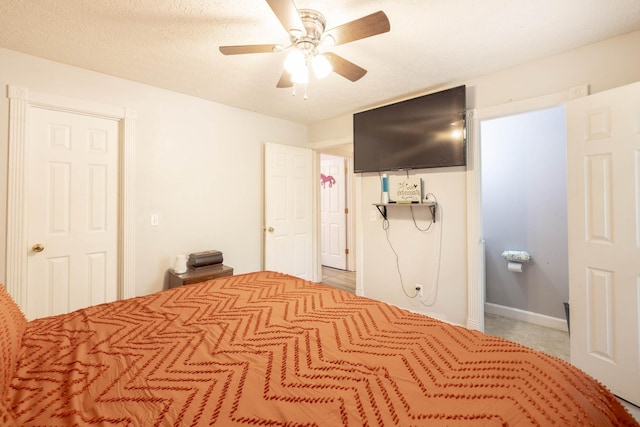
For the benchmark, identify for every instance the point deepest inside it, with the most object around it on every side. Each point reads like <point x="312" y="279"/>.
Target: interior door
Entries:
<point x="72" y="212"/>
<point x="333" y="216"/>
<point x="603" y="161"/>
<point x="288" y="210"/>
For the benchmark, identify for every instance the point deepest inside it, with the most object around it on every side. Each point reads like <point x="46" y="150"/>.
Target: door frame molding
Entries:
<point x="475" y="238"/>
<point x="21" y="100"/>
<point x="341" y="148"/>
<point x="346" y="169"/>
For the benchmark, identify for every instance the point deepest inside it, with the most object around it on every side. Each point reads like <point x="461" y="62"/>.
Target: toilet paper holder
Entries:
<point x="516" y="256"/>
<point x="515" y="260"/>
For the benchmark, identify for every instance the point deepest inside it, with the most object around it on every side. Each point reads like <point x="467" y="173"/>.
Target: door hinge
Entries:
<point x="346" y="251"/>
<point x="346" y="211"/>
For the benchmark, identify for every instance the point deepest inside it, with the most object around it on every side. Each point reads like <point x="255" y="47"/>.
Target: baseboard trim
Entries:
<point x="526" y="316"/>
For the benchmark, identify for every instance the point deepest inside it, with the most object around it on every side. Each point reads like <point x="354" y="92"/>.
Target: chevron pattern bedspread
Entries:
<point x="267" y="349"/>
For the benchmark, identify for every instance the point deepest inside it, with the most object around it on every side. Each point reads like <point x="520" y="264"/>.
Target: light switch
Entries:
<point x="155" y="220"/>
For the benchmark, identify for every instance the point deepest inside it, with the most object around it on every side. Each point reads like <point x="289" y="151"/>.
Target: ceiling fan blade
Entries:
<point x="287" y="14"/>
<point x="285" y="80"/>
<point x="248" y="48"/>
<point x="367" y="26"/>
<point x="346" y="69"/>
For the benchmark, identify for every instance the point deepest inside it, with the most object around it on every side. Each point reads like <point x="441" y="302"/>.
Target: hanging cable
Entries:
<point x="415" y="224"/>
<point x="385" y="227"/>
<point x="433" y="292"/>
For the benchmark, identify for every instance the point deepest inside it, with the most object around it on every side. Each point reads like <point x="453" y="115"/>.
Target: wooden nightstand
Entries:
<point x="199" y="275"/>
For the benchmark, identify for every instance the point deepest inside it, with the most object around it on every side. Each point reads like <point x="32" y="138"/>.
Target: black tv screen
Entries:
<point x="424" y="132"/>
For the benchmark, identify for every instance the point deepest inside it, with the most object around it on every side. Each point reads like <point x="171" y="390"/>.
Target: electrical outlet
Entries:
<point x="419" y="290"/>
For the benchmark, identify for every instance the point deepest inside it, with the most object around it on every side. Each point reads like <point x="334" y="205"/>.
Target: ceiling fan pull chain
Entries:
<point x="293" y="93"/>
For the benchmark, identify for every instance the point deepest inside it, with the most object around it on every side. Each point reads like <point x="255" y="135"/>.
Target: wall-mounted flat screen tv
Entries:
<point x="424" y="132"/>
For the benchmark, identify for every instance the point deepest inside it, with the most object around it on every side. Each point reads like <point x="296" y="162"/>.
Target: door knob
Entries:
<point x="37" y="247"/>
<point x="271" y="229"/>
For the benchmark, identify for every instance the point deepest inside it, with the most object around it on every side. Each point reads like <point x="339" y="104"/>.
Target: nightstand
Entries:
<point x="199" y="275"/>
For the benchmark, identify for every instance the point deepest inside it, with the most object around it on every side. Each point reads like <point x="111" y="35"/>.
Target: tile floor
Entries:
<point x="547" y="340"/>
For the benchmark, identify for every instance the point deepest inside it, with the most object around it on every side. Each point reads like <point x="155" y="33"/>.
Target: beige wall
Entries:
<point x="603" y="66"/>
<point x="197" y="164"/>
<point x="189" y="151"/>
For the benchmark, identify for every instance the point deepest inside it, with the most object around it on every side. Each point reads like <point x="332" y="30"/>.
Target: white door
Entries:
<point x="72" y="188"/>
<point x="333" y="215"/>
<point x="603" y="161"/>
<point x="289" y="210"/>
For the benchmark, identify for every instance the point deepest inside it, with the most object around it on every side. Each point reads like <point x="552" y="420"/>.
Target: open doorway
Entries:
<point x="337" y="217"/>
<point x="333" y="211"/>
<point x="524" y="208"/>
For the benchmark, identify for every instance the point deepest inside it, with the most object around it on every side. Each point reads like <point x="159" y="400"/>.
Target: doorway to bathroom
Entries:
<point x="524" y="208"/>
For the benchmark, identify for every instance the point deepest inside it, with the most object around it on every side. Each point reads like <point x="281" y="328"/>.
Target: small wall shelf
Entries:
<point x="433" y="206"/>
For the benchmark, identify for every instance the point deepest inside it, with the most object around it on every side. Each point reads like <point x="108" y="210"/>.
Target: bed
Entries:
<point x="268" y="349"/>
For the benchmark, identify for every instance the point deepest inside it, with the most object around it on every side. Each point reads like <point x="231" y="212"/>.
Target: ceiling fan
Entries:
<point x="306" y="29"/>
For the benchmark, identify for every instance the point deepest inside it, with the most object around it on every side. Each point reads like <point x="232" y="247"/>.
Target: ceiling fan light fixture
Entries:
<point x="295" y="61"/>
<point x="309" y="43"/>
<point x="321" y="66"/>
<point x="301" y="75"/>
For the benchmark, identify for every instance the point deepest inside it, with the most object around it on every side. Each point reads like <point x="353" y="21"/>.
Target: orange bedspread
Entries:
<point x="268" y="349"/>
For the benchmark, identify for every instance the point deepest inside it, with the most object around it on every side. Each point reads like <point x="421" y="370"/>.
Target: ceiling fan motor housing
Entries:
<point x="314" y="24"/>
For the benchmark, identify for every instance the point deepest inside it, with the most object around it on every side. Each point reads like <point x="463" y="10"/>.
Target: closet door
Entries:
<point x="72" y="212"/>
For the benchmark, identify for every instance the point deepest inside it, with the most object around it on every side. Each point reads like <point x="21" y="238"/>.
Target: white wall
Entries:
<point x="198" y="165"/>
<point x="418" y="252"/>
<point x="603" y="66"/>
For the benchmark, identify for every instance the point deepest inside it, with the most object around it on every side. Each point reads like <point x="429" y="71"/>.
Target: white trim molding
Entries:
<point x="475" y="246"/>
<point x="475" y="239"/>
<point x="21" y="100"/>
<point x="16" y="260"/>
<point x="527" y="316"/>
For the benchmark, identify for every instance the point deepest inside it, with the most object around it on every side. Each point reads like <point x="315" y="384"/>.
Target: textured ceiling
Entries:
<point x="173" y="44"/>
